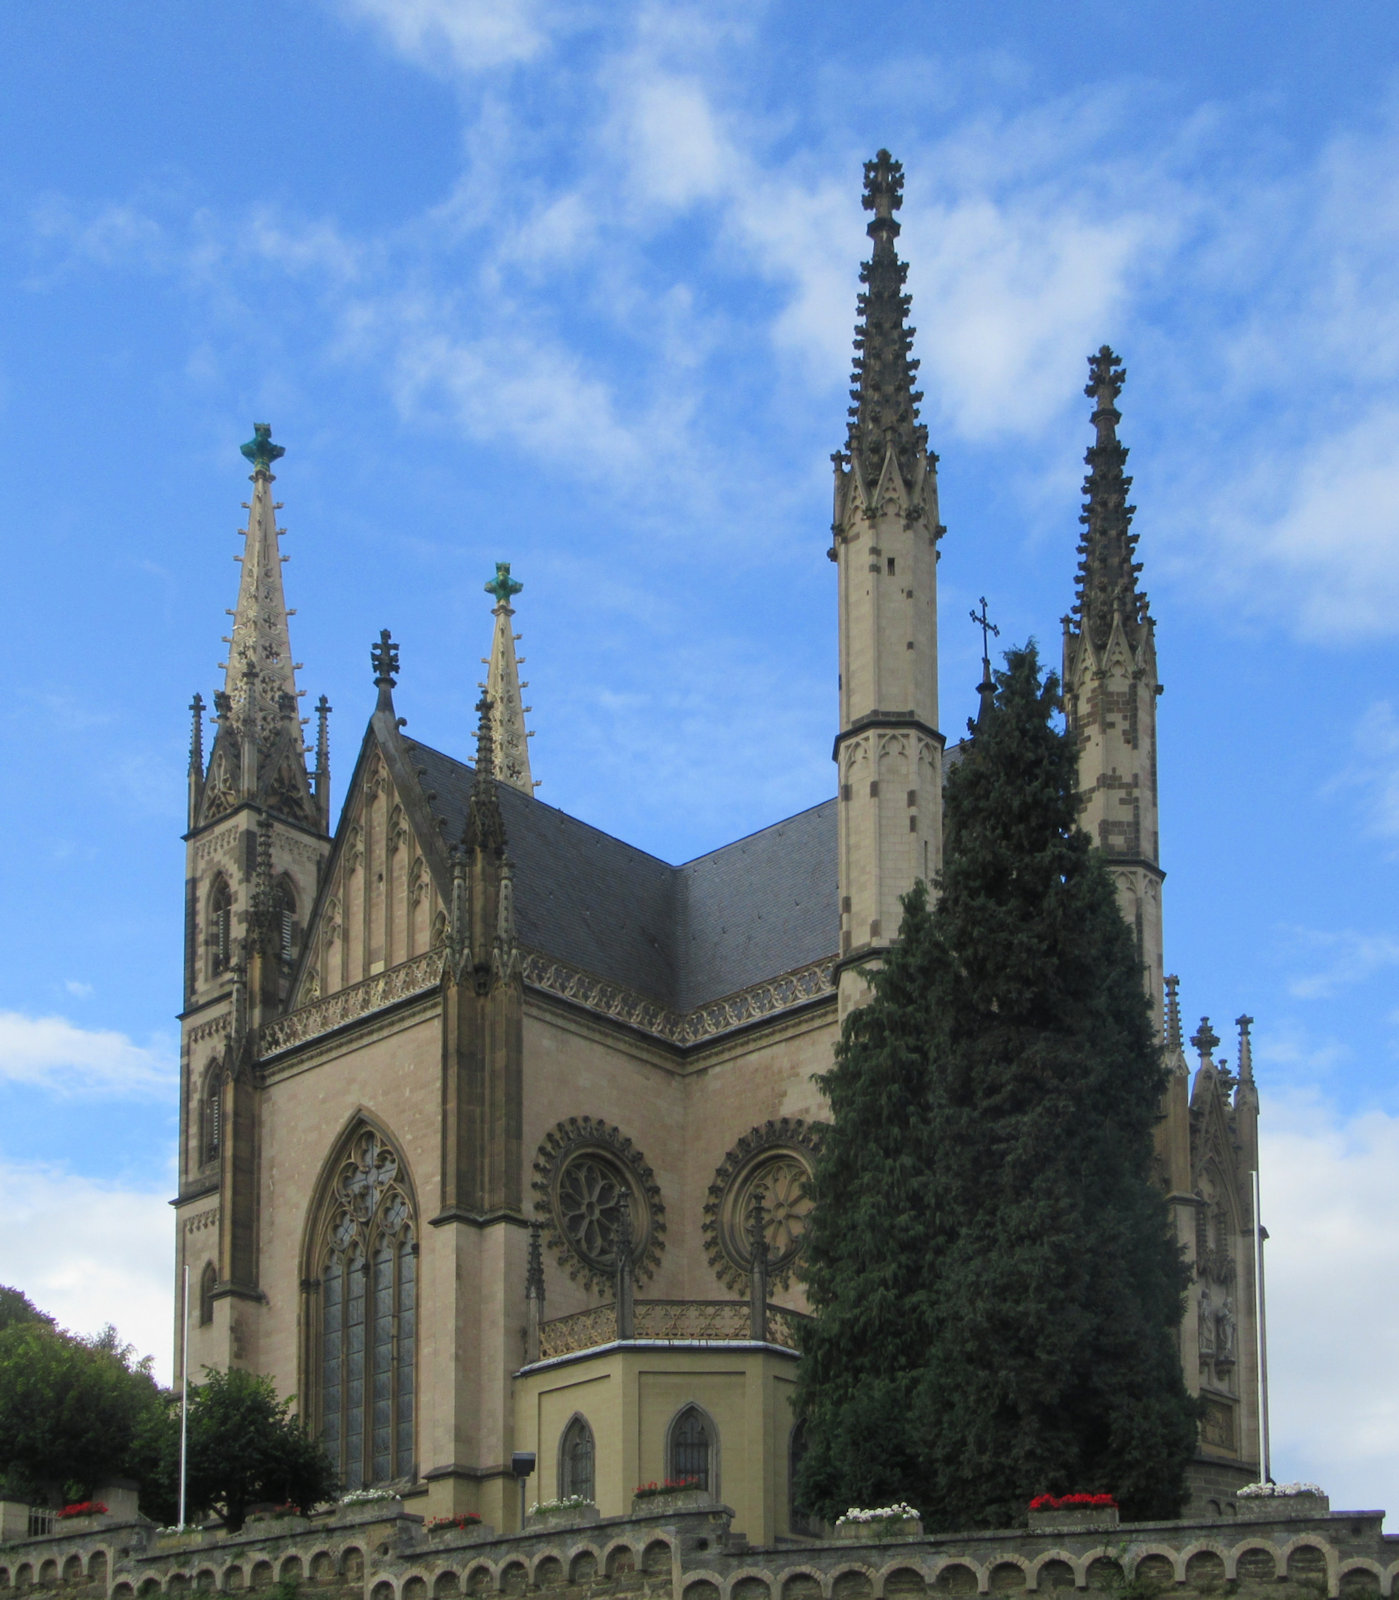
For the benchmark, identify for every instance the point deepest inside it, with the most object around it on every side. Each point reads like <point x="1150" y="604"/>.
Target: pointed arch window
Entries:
<point x="207" y="1279"/>
<point x="220" y="927"/>
<point x="577" y="1460"/>
<point x="690" y="1455"/>
<point x="284" y="908"/>
<point x="211" y="1117"/>
<point x="367" y="1258"/>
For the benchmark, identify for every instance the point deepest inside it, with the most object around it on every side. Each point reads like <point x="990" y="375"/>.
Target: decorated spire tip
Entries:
<point x="503" y="586"/>
<point x="1106" y="375"/>
<point x="1205" y="1040"/>
<point x="260" y="450"/>
<point x="383" y="657"/>
<point x="485" y="738"/>
<point x="884" y="190"/>
<point x="1172" y="985"/>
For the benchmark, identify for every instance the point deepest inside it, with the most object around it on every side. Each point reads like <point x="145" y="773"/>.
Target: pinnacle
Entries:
<point x="1107" y="583"/>
<point x="884" y="414"/>
<point x="510" y="740"/>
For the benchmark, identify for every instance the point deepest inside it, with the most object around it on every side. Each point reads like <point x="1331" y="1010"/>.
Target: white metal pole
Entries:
<point x="1261" y="1234"/>
<point x="184" y="1400"/>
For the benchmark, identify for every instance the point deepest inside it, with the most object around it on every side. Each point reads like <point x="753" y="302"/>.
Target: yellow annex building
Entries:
<point x="495" y="1129"/>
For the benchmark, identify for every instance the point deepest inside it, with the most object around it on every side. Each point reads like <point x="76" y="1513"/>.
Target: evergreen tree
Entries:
<point x="996" y="1289"/>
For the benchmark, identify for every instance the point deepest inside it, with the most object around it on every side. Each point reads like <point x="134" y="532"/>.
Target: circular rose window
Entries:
<point x="774" y="1160"/>
<point x="586" y="1174"/>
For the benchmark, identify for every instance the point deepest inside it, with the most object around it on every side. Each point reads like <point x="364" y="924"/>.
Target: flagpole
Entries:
<point x="1260" y="1236"/>
<point x="184" y="1401"/>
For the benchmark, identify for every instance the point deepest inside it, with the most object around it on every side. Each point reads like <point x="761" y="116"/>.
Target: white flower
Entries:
<point x="565" y="1503"/>
<point x="898" y="1513"/>
<point x="1271" y="1491"/>
<point x="360" y="1497"/>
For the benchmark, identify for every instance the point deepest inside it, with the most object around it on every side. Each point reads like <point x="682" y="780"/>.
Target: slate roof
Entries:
<point x="679" y="935"/>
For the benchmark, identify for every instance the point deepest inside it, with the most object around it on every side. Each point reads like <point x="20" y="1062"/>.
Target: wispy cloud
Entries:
<point x="91" y="1253"/>
<point x="1373" y="771"/>
<point x="56" y="1054"/>
<point x="465" y="36"/>
<point x="1330" y="1208"/>
<point x="1339" y="959"/>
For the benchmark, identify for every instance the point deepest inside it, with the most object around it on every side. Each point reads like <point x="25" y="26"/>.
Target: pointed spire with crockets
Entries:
<point x="884" y="415"/>
<point x="485" y="829"/>
<point x="503" y="686"/>
<point x="1107" y="570"/>
<point x="260" y="679"/>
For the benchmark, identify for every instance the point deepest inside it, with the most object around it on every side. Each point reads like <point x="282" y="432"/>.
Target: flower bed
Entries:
<point x="567" y="1509"/>
<point x="1260" y="1500"/>
<point x="82" y="1508"/>
<point x="463" y="1521"/>
<point x="1060" y="1511"/>
<point x="675" y="1494"/>
<point x="899" y="1521"/>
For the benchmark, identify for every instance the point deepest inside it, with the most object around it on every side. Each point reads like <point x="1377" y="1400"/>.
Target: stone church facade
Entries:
<point x="494" y="1129"/>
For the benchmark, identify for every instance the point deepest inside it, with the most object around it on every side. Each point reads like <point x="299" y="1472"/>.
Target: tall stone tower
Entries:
<point x="888" y="750"/>
<point x="257" y="839"/>
<point x="1110" y="682"/>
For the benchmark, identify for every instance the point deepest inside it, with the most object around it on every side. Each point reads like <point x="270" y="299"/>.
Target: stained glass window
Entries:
<point x="691" y="1449"/>
<point x="368" y="1314"/>
<point x="576" y="1460"/>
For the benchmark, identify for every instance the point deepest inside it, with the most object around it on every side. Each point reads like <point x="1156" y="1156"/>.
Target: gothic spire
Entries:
<point x="884" y="415"/>
<point x="260" y="676"/>
<point x="1107" y="570"/>
<point x="509" y="735"/>
<point x="485" y="828"/>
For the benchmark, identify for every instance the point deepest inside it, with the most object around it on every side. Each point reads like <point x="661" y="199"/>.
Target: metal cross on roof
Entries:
<point x="502" y="586"/>
<point x="987" y="629"/>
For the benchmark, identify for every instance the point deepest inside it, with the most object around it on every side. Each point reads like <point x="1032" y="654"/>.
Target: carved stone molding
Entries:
<point x="206" y="1030"/>
<point x="775" y="1158"/>
<point x="721" y="1016"/>
<point x="585" y="1173"/>
<point x="216" y="844"/>
<point x="554" y="977"/>
<point x="202" y="1220"/>
<point x="347" y="1005"/>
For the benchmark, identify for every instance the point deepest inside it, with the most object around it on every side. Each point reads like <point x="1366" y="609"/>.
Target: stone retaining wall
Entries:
<point x="364" y="1554"/>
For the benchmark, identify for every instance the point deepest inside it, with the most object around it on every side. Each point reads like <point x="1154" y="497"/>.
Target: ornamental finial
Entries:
<point x="884" y="189"/>
<point x="260" y="450"/>
<point x="383" y="657"/>
<point x="1205" y="1040"/>
<point x="503" y="586"/>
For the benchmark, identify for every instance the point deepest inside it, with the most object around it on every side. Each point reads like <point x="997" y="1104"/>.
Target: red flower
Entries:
<point x="1072" y="1502"/>
<point x="83" y="1508"/>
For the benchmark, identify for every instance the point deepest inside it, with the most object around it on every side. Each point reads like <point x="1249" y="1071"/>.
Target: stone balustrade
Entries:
<point x="382" y="1552"/>
<point x="678" y="1320"/>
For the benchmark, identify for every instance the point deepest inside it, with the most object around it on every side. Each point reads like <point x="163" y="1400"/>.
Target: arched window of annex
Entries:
<point x="798" y="1521"/>
<point x="577" y="1460"/>
<point x="362" y="1269"/>
<point x="284" y="908"/>
<point x="220" y="927"/>
<point x="692" y="1449"/>
<point x="207" y="1279"/>
<point x="211" y="1114"/>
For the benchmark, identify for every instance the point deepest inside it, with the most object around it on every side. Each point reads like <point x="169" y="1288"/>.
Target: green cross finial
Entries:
<point x="502" y="586"/>
<point x="260" y="450"/>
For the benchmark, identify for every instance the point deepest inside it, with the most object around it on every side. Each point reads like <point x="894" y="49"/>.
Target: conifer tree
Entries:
<point x="996" y="1291"/>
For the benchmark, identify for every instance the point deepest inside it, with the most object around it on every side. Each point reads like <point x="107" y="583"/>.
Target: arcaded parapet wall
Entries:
<point x="369" y="1555"/>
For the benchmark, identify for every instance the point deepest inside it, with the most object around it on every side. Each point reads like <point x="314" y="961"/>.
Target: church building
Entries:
<point x="495" y="1129"/>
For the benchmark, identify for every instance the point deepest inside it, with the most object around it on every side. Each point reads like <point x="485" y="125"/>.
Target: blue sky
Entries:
<point x="572" y="286"/>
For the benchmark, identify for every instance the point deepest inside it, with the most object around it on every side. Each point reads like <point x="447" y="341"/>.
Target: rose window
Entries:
<point x="591" y="1195"/>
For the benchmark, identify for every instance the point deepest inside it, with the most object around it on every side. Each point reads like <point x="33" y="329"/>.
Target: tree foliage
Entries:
<point x="997" y="1293"/>
<point x="16" y="1306"/>
<point x="245" y="1447"/>
<point x="74" y="1412"/>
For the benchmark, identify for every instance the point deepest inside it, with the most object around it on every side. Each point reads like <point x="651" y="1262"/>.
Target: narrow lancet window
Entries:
<point x="220" y="928"/>
<point x="577" y="1454"/>
<point x="692" y="1449"/>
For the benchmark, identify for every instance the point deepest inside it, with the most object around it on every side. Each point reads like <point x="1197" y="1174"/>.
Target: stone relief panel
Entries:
<point x="774" y="1159"/>
<point x="586" y="1175"/>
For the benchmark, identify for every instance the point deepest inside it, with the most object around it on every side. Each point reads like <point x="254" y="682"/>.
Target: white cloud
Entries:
<point x="1332" y="1213"/>
<point x="1349" y="956"/>
<point x="91" y="1253"/>
<point x="468" y="36"/>
<point x="56" y="1054"/>
<point x="1375" y="769"/>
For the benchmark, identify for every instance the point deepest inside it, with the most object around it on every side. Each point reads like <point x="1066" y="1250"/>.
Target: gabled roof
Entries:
<point x="681" y="935"/>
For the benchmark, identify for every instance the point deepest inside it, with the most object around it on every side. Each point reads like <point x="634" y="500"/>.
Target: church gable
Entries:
<point x="380" y="905"/>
